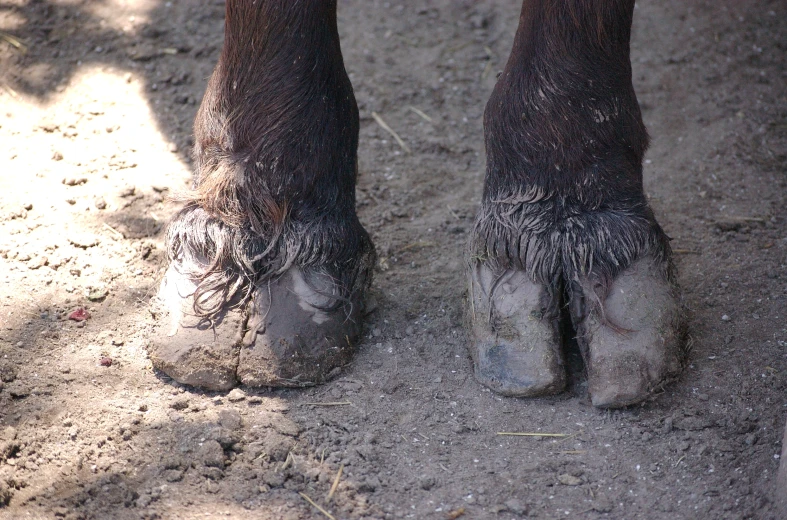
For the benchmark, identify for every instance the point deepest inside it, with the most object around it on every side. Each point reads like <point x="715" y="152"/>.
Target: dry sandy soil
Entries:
<point x="96" y="103"/>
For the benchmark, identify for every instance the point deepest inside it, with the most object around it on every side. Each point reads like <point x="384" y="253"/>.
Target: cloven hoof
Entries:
<point x="631" y="341"/>
<point x="295" y="331"/>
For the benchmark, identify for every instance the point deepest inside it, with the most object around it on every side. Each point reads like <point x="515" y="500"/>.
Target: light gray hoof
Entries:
<point x="632" y="340"/>
<point x="514" y="344"/>
<point x="299" y="332"/>
<point x="189" y="349"/>
<point x="295" y="331"/>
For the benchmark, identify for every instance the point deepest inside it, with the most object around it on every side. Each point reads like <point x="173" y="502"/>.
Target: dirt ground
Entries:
<point x="96" y="103"/>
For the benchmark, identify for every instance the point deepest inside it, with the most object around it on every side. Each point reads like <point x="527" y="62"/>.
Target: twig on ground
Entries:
<point x="390" y="130"/>
<point x="420" y="243"/>
<point x="8" y="89"/>
<point x="419" y="112"/>
<point x="14" y="41"/>
<point x="329" y="403"/>
<point x="287" y="462"/>
<point x="746" y="219"/>
<point x="321" y="510"/>
<point x="335" y="484"/>
<point x="456" y="513"/>
<point x="114" y="231"/>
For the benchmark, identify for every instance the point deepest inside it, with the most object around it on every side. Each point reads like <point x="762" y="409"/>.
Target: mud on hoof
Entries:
<point x="514" y="345"/>
<point x="296" y="330"/>
<point x="190" y="349"/>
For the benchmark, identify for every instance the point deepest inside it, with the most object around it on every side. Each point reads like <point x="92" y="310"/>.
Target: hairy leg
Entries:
<point x="564" y="212"/>
<point x="268" y="261"/>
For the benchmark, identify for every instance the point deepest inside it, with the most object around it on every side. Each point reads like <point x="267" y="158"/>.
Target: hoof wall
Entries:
<point x="635" y="347"/>
<point x="294" y="332"/>
<point x="191" y="350"/>
<point x="513" y="344"/>
<point x="298" y="332"/>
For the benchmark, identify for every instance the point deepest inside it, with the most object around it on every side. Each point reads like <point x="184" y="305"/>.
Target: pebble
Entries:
<point x="426" y="483"/>
<point x="83" y="240"/>
<point x="230" y="418"/>
<point x="569" y="480"/>
<point x="74" y="181"/>
<point x="515" y="506"/>
<point x="212" y="473"/>
<point x="38" y="262"/>
<point x="726" y="318"/>
<point x="181" y="403"/>
<point x="57" y="156"/>
<point x="100" y="203"/>
<point x="235" y="395"/>
<point x="8" y="373"/>
<point x="79" y="314"/>
<point x="667" y="426"/>
<point x="127" y="191"/>
<point x="211" y="454"/>
<point x="273" y="479"/>
<point x="18" y="391"/>
<point x="96" y="295"/>
<point x="48" y="126"/>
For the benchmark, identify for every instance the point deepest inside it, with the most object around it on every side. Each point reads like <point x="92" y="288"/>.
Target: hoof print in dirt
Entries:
<point x="296" y="330"/>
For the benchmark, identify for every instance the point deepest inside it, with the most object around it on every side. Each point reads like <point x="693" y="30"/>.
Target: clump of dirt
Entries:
<point x="96" y="105"/>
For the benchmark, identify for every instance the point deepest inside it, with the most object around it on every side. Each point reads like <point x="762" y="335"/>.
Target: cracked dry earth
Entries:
<point x="96" y="103"/>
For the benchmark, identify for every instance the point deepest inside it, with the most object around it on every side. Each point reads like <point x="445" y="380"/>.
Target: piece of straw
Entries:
<point x="321" y="510"/>
<point x="388" y="129"/>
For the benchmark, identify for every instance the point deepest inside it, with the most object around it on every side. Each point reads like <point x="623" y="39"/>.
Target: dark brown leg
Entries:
<point x="564" y="227"/>
<point x="268" y="261"/>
